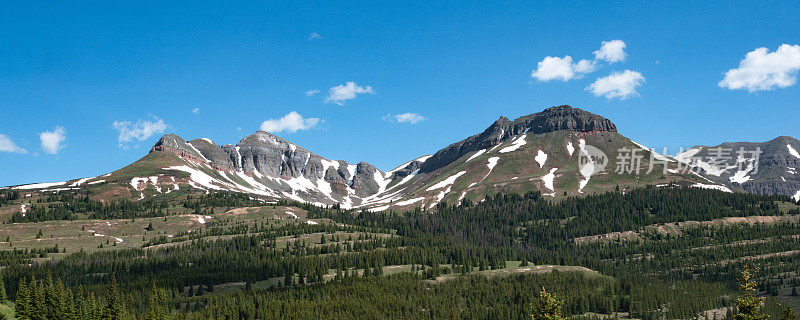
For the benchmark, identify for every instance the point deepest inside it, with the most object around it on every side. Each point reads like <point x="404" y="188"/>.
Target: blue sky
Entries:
<point x="70" y="71"/>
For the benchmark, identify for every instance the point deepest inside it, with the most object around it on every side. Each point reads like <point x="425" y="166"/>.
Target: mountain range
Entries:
<point x="560" y="151"/>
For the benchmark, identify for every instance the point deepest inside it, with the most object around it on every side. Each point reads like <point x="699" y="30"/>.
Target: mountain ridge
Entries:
<point x="556" y="151"/>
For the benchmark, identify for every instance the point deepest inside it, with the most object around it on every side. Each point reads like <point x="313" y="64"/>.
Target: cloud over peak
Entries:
<point x="761" y="70"/>
<point x="348" y="91"/>
<point x="619" y="85"/>
<point x="555" y="68"/>
<point x="292" y="122"/>
<point x="139" y="131"/>
<point x="564" y="69"/>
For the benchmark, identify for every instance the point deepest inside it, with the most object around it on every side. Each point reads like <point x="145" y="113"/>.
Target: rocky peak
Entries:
<point x="559" y="118"/>
<point x="564" y="118"/>
<point x="174" y="143"/>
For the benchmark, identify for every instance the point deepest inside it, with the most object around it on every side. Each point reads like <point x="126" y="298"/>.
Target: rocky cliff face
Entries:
<point x="282" y="167"/>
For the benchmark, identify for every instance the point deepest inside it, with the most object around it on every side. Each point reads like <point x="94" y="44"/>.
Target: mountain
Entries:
<point x="559" y="151"/>
<point x="757" y="167"/>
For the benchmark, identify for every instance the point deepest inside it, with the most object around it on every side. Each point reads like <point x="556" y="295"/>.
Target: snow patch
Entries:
<point x="492" y="162"/>
<point x="515" y="144"/>
<point x="311" y="222"/>
<point x="686" y="156"/>
<point x="409" y="201"/>
<point x="570" y="148"/>
<point x="198" y="152"/>
<point x="548" y="179"/>
<point x="796" y="196"/>
<point x="377" y="209"/>
<point x="476" y="154"/>
<point x="446" y="182"/>
<point x="741" y="175"/>
<point x="588" y="169"/>
<point x="39" y="185"/>
<point x="81" y="181"/>
<point x="656" y="155"/>
<point x="424" y="158"/>
<point x="792" y="151"/>
<point x="712" y="187"/>
<point x="540" y="158"/>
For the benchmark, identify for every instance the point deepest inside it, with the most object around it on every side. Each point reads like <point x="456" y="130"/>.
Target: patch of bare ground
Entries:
<point x="739" y="259"/>
<point x="520" y="270"/>
<point x="676" y="228"/>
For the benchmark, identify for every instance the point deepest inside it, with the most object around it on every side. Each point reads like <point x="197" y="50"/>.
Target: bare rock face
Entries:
<point x="563" y="118"/>
<point x="560" y="118"/>
<point x="174" y="143"/>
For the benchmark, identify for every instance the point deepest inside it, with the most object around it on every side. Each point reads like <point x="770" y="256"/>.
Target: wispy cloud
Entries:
<point x="291" y="123"/>
<point x="408" y="117"/>
<point x="311" y="92"/>
<point x="314" y="35"/>
<point x="52" y="140"/>
<point x="761" y="70"/>
<point x="196" y="110"/>
<point x="618" y="85"/>
<point x="139" y="131"/>
<point x="348" y="91"/>
<point x="7" y="145"/>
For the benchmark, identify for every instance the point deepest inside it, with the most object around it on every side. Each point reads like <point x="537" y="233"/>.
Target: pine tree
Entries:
<point x="114" y="309"/>
<point x="157" y="307"/>
<point x="3" y="297"/>
<point x="788" y="314"/>
<point x="748" y="305"/>
<point x="22" y="302"/>
<point x="547" y="307"/>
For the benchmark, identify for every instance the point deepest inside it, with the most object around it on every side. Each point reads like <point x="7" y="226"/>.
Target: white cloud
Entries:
<point x="555" y="68"/>
<point x="51" y="140"/>
<point x="196" y="110"/>
<point x="291" y="122"/>
<point x="6" y="145"/>
<point x="621" y="85"/>
<point x="408" y="117"/>
<point x="611" y="51"/>
<point x="311" y="92"/>
<point x="139" y="131"/>
<point x="341" y="93"/>
<point x="763" y="70"/>
<point x="314" y="35"/>
<point x="564" y="69"/>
